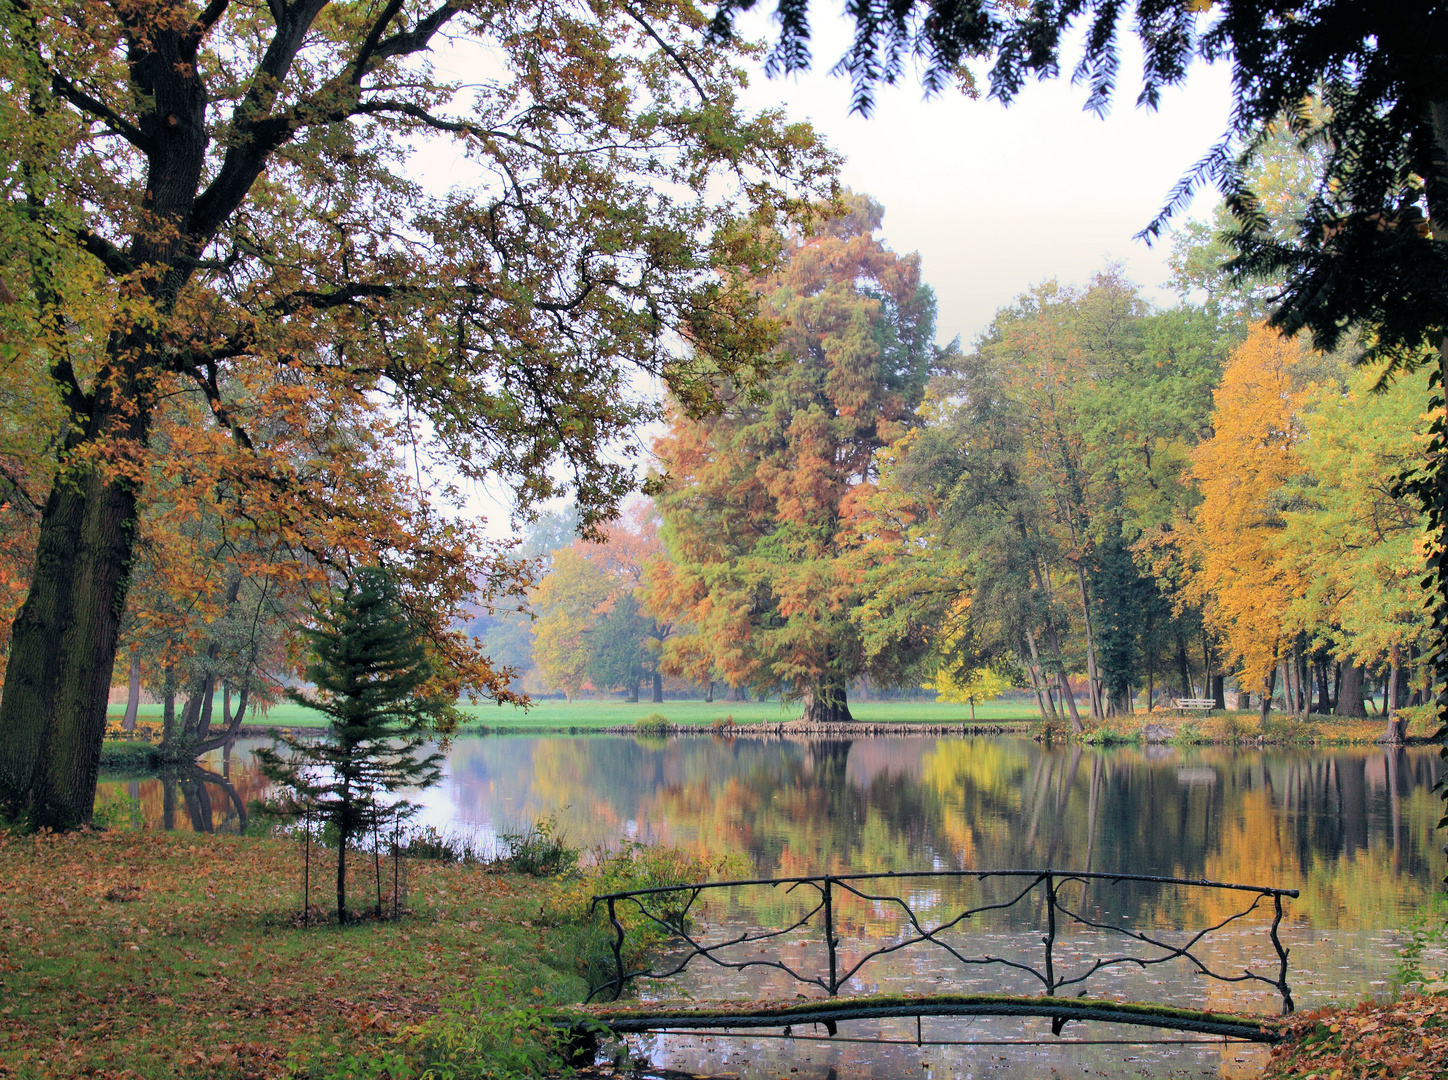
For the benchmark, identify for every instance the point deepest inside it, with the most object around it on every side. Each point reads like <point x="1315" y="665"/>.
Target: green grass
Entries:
<point x="586" y="715"/>
<point x="592" y="715"/>
<point x="561" y="715"/>
<point x="162" y="956"/>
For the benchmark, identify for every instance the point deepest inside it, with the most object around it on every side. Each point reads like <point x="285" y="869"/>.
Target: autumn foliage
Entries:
<point x="755" y="501"/>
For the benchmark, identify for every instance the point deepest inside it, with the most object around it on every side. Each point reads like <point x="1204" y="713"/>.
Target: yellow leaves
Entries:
<point x="1241" y="471"/>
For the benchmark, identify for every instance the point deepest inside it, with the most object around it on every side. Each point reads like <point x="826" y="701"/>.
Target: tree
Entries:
<point x="1355" y="541"/>
<point x="1242" y="472"/>
<point x="1367" y="253"/>
<point x="567" y="602"/>
<point x="374" y="682"/>
<point x="592" y="627"/>
<point x="208" y="205"/>
<point x="963" y="680"/>
<point x="754" y="501"/>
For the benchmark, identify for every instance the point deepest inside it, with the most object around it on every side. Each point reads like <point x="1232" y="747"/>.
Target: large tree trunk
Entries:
<point x="1184" y="668"/>
<point x="1219" y="692"/>
<point x="1324" y="695"/>
<point x="826" y="704"/>
<point x="1092" y="682"/>
<point x="1043" y="695"/>
<point x="1350" y="694"/>
<point x="1397" y="729"/>
<point x="63" y="650"/>
<point x="658" y="689"/>
<point x="63" y="643"/>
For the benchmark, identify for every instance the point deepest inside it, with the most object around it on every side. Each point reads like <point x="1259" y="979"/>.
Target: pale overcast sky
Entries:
<point x="996" y="199"/>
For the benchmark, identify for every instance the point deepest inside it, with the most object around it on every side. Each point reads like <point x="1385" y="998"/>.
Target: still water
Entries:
<point x="1352" y="829"/>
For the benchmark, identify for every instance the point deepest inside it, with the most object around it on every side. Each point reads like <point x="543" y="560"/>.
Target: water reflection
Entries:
<point x="1352" y="828"/>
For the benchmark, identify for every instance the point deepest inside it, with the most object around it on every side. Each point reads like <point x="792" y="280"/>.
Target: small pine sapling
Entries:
<point x="371" y="674"/>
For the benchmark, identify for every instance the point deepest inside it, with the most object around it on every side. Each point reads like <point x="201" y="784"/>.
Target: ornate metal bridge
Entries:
<point x="807" y="948"/>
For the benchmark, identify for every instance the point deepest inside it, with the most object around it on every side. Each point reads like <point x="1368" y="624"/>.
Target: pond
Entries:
<point x="1351" y="828"/>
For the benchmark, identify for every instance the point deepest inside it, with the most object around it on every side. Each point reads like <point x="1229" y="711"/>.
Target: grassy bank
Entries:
<point x="1244" y="727"/>
<point x="594" y="715"/>
<point x="549" y="715"/>
<point x="143" y="955"/>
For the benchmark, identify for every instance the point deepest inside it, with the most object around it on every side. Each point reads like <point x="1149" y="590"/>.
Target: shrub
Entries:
<point x="654" y="724"/>
<point x="632" y="865"/>
<point x="1054" y="729"/>
<point x="540" y="850"/>
<point x="722" y="723"/>
<point x="429" y="843"/>
<point x="144" y="731"/>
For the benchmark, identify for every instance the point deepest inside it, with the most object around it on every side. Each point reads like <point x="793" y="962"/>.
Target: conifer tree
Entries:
<point x="758" y="501"/>
<point x="371" y="674"/>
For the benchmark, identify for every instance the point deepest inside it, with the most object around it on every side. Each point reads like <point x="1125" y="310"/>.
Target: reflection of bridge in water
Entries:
<point x="1039" y="935"/>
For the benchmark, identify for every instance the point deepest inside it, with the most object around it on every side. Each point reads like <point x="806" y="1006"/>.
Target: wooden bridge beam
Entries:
<point x="766" y="1014"/>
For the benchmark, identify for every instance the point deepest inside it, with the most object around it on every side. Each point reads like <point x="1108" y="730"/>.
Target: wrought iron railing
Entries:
<point x="670" y="909"/>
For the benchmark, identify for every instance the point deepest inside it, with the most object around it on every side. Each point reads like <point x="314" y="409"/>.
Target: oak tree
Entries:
<point x="240" y="205"/>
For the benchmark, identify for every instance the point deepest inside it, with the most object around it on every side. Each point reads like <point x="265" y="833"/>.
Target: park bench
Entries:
<point x="1205" y="704"/>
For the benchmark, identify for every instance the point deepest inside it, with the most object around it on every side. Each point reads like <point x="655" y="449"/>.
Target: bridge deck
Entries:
<point x="830" y="1011"/>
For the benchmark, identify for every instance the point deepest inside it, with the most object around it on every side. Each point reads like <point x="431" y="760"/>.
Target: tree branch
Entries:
<point x="364" y="55"/>
<point x="255" y="140"/>
<point x="669" y="49"/>
<point x="63" y="88"/>
<point x="207" y="19"/>
<point x="106" y="252"/>
<point x="437" y="123"/>
<point x="419" y="37"/>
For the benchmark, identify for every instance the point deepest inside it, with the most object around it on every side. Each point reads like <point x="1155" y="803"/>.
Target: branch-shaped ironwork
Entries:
<point x="675" y="922"/>
<point x="676" y="925"/>
<point x="1173" y="952"/>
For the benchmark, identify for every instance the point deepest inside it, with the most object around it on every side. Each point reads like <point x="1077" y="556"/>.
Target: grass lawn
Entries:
<point x="144" y="955"/>
<point x="585" y="714"/>
<point x="550" y="714"/>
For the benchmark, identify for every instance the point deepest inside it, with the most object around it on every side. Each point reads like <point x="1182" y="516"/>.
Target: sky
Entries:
<point x="997" y="199"/>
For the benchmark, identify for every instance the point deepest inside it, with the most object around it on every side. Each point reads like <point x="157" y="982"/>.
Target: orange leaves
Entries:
<point x="756" y="500"/>
<point x="1406" y="1039"/>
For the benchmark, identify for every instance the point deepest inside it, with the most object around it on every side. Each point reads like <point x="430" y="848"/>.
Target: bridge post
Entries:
<point x="1286" y="991"/>
<point x="1050" y="939"/>
<point x="617" y="950"/>
<point x="830" y="936"/>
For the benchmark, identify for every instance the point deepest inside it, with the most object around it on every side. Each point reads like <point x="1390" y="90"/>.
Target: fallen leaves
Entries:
<point x="1404" y="1040"/>
<point x="142" y="955"/>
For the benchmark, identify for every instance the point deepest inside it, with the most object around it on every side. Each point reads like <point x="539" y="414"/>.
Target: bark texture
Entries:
<point x="826" y="704"/>
<point x="1350" y="696"/>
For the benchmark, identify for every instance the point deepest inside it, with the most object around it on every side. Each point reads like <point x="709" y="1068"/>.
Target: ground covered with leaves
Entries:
<point x="1404" y="1040"/>
<point x="128" y="955"/>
